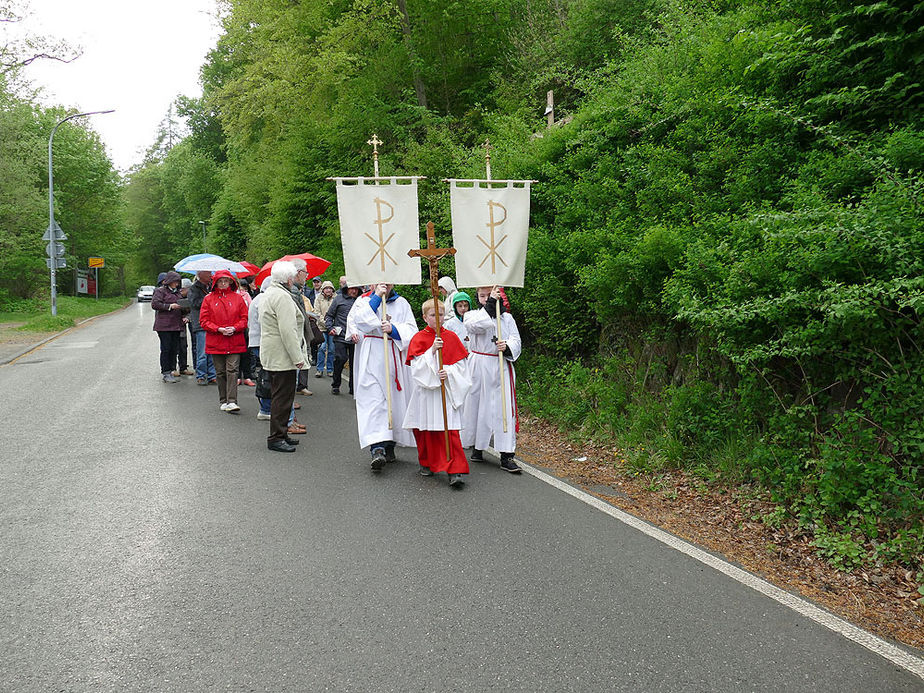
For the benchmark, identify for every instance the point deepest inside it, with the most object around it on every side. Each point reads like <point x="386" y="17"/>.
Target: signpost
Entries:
<point x="94" y="263"/>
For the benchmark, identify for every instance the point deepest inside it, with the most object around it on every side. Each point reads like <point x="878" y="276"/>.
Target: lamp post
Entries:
<point x="54" y="231"/>
<point x="202" y="223"/>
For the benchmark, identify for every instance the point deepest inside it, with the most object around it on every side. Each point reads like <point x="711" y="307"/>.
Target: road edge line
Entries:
<point x="907" y="661"/>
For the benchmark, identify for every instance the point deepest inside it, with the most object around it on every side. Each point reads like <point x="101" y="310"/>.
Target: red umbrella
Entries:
<point x="252" y="269"/>
<point x="315" y="265"/>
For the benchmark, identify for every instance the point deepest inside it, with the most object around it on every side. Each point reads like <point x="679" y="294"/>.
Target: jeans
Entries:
<point x="205" y="369"/>
<point x="325" y="360"/>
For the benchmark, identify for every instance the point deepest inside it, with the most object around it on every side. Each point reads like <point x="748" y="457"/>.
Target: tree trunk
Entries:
<point x="412" y="53"/>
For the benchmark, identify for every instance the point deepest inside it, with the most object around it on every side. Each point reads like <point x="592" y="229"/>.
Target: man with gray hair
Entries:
<point x="298" y="294"/>
<point x="283" y="350"/>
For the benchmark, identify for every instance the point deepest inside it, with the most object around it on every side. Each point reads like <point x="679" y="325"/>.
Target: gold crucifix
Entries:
<point x="433" y="255"/>
<point x="375" y="142"/>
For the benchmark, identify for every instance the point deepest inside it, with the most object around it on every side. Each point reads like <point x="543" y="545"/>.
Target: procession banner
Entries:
<point x="378" y="223"/>
<point x="490" y="226"/>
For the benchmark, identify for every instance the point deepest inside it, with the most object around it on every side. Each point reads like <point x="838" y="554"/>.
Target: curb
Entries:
<point x="32" y="347"/>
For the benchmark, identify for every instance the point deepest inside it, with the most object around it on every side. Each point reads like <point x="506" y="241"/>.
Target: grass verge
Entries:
<point x="36" y="316"/>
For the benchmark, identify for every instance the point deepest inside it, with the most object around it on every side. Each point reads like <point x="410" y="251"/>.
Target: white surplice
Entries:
<point x="482" y="416"/>
<point x="425" y="408"/>
<point x="368" y="371"/>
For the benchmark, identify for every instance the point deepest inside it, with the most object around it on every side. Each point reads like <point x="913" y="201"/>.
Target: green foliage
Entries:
<point x="724" y="268"/>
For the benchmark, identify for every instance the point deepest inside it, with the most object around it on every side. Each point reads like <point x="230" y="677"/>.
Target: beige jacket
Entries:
<point x="282" y="331"/>
<point x="321" y="304"/>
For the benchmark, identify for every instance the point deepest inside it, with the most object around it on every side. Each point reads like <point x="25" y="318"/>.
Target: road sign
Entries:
<point x="96" y="262"/>
<point x="61" y="263"/>
<point x="54" y="249"/>
<point x="54" y="233"/>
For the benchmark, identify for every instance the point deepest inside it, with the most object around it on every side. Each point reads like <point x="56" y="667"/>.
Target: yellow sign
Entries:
<point x="96" y="262"/>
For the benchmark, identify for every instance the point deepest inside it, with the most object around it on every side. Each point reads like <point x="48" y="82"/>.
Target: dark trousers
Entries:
<point x="183" y="357"/>
<point x="282" y="387"/>
<point x="343" y="352"/>
<point x="246" y="364"/>
<point x="169" y="348"/>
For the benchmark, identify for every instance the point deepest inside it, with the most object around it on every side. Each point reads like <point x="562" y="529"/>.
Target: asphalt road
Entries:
<point x="151" y="542"/>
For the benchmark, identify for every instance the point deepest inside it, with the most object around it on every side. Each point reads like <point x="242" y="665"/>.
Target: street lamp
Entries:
<point x="203" y="237"/>
<point x="54" y="233"/>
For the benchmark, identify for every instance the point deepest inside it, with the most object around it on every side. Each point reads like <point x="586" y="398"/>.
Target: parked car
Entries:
<point x="145" y="293"/>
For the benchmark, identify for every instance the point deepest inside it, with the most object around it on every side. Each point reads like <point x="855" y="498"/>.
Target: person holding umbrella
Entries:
<point x="223" y="316"/>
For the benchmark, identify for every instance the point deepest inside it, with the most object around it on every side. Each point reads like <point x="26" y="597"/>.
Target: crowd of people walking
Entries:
<point x="440" y="393"/>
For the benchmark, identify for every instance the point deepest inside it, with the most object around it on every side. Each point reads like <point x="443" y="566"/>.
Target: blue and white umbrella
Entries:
<point x="207" y="262"/>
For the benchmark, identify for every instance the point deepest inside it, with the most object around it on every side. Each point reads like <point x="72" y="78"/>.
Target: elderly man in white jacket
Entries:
<point x="282" y="350"/>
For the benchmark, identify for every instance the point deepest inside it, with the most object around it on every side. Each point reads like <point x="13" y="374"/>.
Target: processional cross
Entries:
<point x="433" y="255"/>
<point x="375" y="142"/>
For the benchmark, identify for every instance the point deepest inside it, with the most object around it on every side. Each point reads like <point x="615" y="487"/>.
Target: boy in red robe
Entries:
<point x="425" y="409"/>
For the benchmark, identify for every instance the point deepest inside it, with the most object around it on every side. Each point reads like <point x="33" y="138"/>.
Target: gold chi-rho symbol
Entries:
<point x="495" y="242"/>
<point x="382" y="241"/>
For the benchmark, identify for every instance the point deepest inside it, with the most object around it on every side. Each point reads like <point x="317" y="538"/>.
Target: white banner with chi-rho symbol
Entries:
<point x="378" y="225"/>
<point x="490" y="226"/>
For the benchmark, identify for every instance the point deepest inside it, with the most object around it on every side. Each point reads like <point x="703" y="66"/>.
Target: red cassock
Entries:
<point x="424" y="415"/>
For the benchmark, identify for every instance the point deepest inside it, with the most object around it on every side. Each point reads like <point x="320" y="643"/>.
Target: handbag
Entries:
<point x="264" y="388"/>
<point x="316" y="335"/>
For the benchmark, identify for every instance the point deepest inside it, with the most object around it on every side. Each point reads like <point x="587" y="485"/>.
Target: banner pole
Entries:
<point x="497" y="311"/>
<point x="391" y="426"/>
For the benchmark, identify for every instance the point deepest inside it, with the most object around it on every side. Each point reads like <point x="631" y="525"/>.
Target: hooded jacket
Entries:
<point x="224" y="308"/>
<point x="165" y="318"/>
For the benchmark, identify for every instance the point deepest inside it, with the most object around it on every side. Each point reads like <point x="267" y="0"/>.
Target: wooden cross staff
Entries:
<point x="433" y="255"/>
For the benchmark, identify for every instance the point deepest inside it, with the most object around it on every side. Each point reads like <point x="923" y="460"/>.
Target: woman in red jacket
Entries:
<point x="224" y="319"/>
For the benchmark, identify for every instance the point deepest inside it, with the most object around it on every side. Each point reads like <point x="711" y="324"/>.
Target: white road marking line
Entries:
<point x="894" y="654"/>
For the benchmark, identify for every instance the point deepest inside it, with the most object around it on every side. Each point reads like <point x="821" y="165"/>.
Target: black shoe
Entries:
<point x="335" y="390"/>
<point x="292" y="441"/>
<point x="508" y="465"/>
<point x="477" y="456"/>
<point x="390" y="454"/>
<point x="280" y="446"/>
<point x="456" y="481"/>
<point x="378" y="459"/>
<point x="424" y="471"/>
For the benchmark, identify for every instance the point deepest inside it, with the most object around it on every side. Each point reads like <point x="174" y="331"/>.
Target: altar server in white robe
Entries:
<point x="425" y="413"/>
<point x="483" y="413"/>
<point x="365" y="327"/>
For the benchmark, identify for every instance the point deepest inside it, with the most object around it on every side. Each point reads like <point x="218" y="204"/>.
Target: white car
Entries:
<point x="145" y="293"/>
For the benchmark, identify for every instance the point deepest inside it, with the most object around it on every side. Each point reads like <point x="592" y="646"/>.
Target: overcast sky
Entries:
<point x="137" y="58"/>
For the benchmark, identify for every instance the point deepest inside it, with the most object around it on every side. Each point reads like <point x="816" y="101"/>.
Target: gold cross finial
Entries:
<point x="375" y="142"/>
